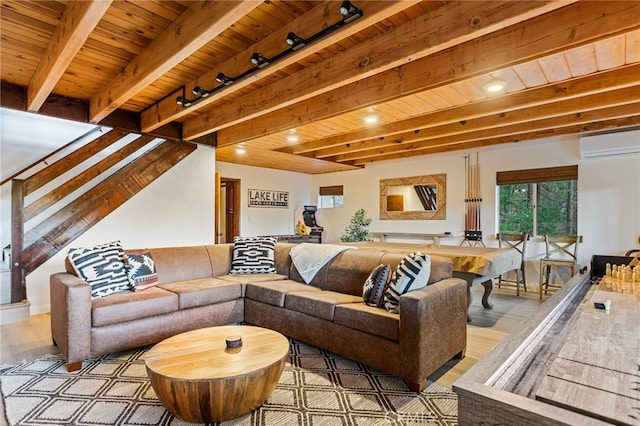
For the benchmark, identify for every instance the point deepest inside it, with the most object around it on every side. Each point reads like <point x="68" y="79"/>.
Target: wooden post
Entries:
<point x="18" y="285"/>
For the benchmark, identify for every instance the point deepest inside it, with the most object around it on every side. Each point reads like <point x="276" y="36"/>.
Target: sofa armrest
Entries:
<point x="433" y="327"/>
<point x="71" y="316"/>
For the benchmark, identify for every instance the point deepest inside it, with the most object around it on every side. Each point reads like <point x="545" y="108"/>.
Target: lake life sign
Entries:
<point x="265" y="198"/>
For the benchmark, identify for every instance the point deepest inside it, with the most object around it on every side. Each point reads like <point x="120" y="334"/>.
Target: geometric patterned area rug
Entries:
<point x="317" y="387"/>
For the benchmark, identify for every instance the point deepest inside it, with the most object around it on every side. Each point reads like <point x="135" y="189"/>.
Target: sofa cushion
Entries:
<point x="273" y="292"/>
<point x="253" y="255"/>
<point x="320" y="304"/>
<point x="220" y="255"/>
<point x="186" y="263"/>
<point x="412" y="273"/>
<point x="205" y="291"/>
<point x="102" y="267"/>
<point x="369" y="319"/>
<point x="345" y="273"/>
<point x="376" y="285"/>
<point x="128" y="305"/>
<point x="141" y="270"/>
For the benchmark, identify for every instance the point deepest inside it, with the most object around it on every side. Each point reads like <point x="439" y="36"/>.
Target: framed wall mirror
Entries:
<point x="414" y="198"/>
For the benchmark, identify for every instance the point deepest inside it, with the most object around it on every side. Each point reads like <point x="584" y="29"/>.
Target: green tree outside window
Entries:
<point x="542" y="208"/>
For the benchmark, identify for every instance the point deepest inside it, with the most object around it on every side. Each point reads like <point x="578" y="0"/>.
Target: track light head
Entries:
<point x="223" y="79"/>
<point x="259" y="60"/>
<point x="179" y="100"/>
<point x="295" y="41"/>
<point x="197" y="90"/>
<point x="349" y="12"/>
<point x="344" y="9"/>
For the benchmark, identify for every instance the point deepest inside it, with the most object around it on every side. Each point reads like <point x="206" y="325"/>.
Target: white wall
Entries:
<point x="362" y="188"/>
<point x="268" y="220"/>
<point x="175" y="210"/>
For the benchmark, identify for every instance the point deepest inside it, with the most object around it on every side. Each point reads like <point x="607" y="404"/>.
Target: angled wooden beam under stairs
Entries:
<point x="44" y="240"/>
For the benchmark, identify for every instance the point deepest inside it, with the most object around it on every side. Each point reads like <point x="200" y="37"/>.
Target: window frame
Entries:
<point x="334" y="193"/>
<point x="535" y="177"/>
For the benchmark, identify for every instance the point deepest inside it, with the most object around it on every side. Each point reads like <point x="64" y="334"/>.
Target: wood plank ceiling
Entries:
<point x="570" y="67"/>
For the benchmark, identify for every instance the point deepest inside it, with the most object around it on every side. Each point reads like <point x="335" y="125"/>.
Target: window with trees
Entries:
<point x="539" y="201"/>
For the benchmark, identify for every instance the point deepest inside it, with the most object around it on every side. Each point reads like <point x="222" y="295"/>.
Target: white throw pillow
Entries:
<point x="412" y="273"/>
<point x="102" y="266"/>
<point x="253" y="255"/>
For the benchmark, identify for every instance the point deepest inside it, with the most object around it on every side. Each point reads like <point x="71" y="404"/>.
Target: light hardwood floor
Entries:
<point x="31" y="339"/>
<point x="488" y="327"/>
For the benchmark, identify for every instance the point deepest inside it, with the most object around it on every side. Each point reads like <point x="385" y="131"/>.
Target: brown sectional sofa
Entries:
<point x="195" y="290"/>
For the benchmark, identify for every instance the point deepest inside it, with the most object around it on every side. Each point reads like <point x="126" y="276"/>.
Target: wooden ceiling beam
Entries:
<point x="537" y="129"/>
<point x="195" y="27"/>
<point x="572" y="26"/>
<point x="491" y="122"/>
<point x="451" y="24"/>
<point x="77" y="22"/>
<point x="320" y="17"/>
<point x="277" y="160"/>
<point x="581" y="94"/>
<point x="597" y="126"/>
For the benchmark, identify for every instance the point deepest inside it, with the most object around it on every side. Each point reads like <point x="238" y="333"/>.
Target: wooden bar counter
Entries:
<point x="199" y="380"/>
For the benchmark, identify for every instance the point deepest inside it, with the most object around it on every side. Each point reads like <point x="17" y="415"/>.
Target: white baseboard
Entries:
<point x="5" y="286"/>
<point x="14" y="312"/>
<point x="40" y="309"/>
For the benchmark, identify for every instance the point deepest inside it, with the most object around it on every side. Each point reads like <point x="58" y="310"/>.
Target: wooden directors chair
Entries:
<point x="519" y="243"/>
<point x="561" y="251"/>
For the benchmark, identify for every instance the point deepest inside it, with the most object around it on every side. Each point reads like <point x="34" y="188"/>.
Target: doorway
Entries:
<point x="227" y="220"/>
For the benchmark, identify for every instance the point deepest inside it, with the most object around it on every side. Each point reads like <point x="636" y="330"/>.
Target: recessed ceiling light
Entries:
<point x="494" y="86"/>
<point x="240" y="149"/>
<point x="292" y="136"/>
<point x="371" y="118"/>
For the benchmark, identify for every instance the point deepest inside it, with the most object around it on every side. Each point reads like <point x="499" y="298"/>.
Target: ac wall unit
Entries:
<point x="608" y="144"/>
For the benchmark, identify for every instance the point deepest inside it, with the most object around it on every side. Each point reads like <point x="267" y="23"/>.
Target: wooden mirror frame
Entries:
<point x="440" y="182"/>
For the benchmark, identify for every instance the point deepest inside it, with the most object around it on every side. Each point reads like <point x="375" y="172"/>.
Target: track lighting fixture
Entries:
<point x="349" y="13"/>
<point x="181" y="100"/>
<point x="223" y="79"/>
<point x="259" y="60"/>
<point x="295" y="41"/>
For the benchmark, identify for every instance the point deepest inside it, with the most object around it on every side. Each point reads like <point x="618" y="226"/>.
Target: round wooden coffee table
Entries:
<point x="199" y="380"/>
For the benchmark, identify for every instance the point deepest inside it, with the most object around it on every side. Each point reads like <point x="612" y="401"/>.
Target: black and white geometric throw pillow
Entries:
<point x="412" y="273"/>
<point x="102" y="267"/>
<point x="253" y="255"/>
<point x="376" y="285"/>
<point x="141" y="270"/>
